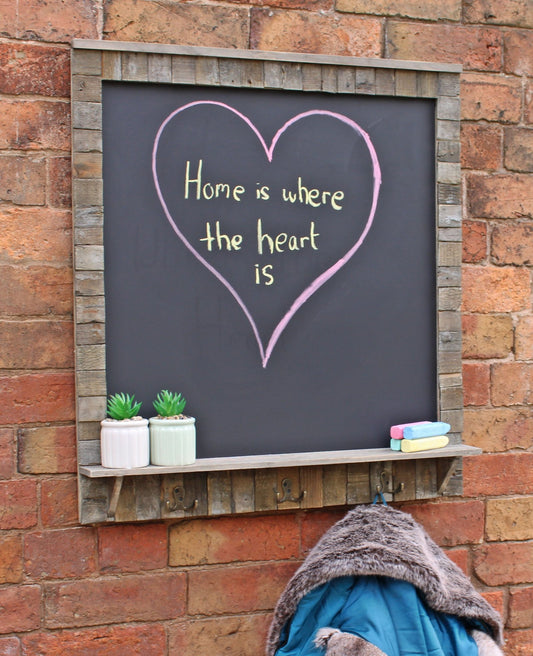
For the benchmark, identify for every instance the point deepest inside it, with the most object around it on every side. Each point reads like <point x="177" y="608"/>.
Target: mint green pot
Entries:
<point x="172" y="441"/>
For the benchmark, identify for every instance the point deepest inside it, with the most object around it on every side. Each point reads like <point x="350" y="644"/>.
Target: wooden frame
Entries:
<point x="256" y="483"/>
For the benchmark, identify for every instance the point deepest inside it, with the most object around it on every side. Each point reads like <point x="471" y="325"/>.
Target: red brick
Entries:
<point x="11" y="570"/>
<point x="460" y="557"/>
<point x="315" y="524"/>
<point x="60" y="554"/>
<point x="144" y="598"/>
<point x="510" y="518"/>
<point x="140" y="640"/>
<point x="170" y="22"/>
<point x="500" y="196"/>
<point x="34" y="125"/>
<point x="524" y="338"/>
<point x="23" y="179"/>
<point x="10" y="646"/>
<point x="132" y="548"/>
<point x="503" y="12"/>
<point x="59" y="182"/>
<point x="518" y="52"/>
<point x="21" y="608"/>
<point x="342" y="34"/>
<point x="37" y="398"/>
<point x="57" y="21"/>
<point x="476" y="48"/>
<point x="476" y="379"/>
<point x="498" y="429"/>
<point x="491" y="98"/>
<point x="512" y="243"/>
<point x="36" y="345"/>
<point x="446" y="10"/>
<point x="481" y="147"/>
<point x="59" y="502"/>
<point x="495" y="289"/>
<point x="474" y="242"/>
<point x="36" y="290"/>
<point x="520" y="608"/>
<point x="34" y="69"/>
<point x="487" y="335"/>
<point x="518" y="149"/>
<point x="519" y="643"/>
<point x="228" y="540"/>
<point x="7" y="453"/>
<point x="498" y="474"/>
<point x="528" y="101"/>
<point x="35" y="234"/>
<point x="511" y="383"/>
<point x="47" y="450"/>
<point x="504" y="563"/>
<point x="316" y="5"/>
<point x="496" y="599"/>
<point x="242" y="635"/>
<point x="237" y="589"/>
<point x="18" y="504"/>
<point x="450" y="523"/>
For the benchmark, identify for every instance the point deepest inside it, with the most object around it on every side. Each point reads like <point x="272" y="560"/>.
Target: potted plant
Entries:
<point x="172" y="434"/>
<point x="124" y="435"/>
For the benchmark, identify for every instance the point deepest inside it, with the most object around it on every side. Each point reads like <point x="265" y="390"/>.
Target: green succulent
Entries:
<point x="169" y="404"/>
<point x="123" y="406"/>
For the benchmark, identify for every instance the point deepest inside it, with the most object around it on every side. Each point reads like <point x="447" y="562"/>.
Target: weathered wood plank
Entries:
<point x="406" y="84"/>
<point x="159" y="68"/>
<point x="334" y="485"/>
<point x="219" y="493"/>
<point x="311" y="481"/>
<point x="365" y="80"/>
<point x="112" y="66"/>
<point x="426" y="479"/>
<point x="242" y="491"/>
<point x="358" y="483"/>
<point x="90" y="309"/>
<point x="183" y="70"/>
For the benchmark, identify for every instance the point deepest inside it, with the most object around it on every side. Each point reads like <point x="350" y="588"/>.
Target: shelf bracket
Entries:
<point x="115" y="495"/>
<point x="447" y="476"/>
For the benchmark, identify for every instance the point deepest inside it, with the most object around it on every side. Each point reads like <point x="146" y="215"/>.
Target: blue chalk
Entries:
<point x="396" y="445"/>
<point x="426" y="430"/>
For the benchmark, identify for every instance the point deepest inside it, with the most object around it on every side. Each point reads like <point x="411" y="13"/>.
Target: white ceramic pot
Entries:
<point x="125" y="444"/>
<point x="172" y="441"/>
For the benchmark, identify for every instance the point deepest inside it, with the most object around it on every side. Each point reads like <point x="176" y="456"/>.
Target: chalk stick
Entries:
<point x="396" y="432"/>
<point x="395" y="445"/>
<point x="427" y="430"/>
<point x="424" y="443"/>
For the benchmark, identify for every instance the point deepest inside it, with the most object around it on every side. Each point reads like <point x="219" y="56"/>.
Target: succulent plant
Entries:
<point x="123" y="406"/>
<point x="169" y="404"/>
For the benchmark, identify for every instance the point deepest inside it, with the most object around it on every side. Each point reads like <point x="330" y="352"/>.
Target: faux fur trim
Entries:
<point x="337" y="643"/>
<point x="485" y="645"/>
<point x="378" y="540"/>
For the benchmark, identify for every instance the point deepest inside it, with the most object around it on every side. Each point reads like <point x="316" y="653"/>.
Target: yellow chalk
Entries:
<point x="424" y="443"/>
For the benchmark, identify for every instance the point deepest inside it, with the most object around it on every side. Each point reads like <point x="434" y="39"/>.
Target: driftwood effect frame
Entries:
<point x="219" y="486"/>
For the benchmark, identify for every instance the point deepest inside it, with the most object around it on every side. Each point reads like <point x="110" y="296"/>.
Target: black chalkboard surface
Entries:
<point x="271" y="255"/>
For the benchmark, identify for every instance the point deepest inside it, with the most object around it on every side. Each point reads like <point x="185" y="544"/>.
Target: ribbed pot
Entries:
<point x="172" y="441"/>
<point x="125" y="444"/>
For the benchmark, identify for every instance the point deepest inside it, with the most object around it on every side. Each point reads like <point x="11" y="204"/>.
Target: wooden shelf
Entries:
<point x="284" y="460"/>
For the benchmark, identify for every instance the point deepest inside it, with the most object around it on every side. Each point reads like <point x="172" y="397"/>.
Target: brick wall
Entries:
<point x="207" y="586"/>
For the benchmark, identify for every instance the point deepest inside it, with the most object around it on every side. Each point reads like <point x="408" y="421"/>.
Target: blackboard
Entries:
<point x="271" y="255"/>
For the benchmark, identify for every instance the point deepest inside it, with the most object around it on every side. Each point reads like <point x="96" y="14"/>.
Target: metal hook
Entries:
<point x="178" y="494"/>
<point x="384" y="483"/>
<point x="286" y="484"/>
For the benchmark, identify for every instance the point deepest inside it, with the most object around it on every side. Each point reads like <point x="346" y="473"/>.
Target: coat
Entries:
<point x="380" y="541"/>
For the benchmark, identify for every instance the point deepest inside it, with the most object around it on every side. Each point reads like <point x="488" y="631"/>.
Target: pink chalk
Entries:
<point x="396" y="432"/>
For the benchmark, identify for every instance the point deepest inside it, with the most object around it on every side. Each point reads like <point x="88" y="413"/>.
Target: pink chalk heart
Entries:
<point x="174" y="216"/>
